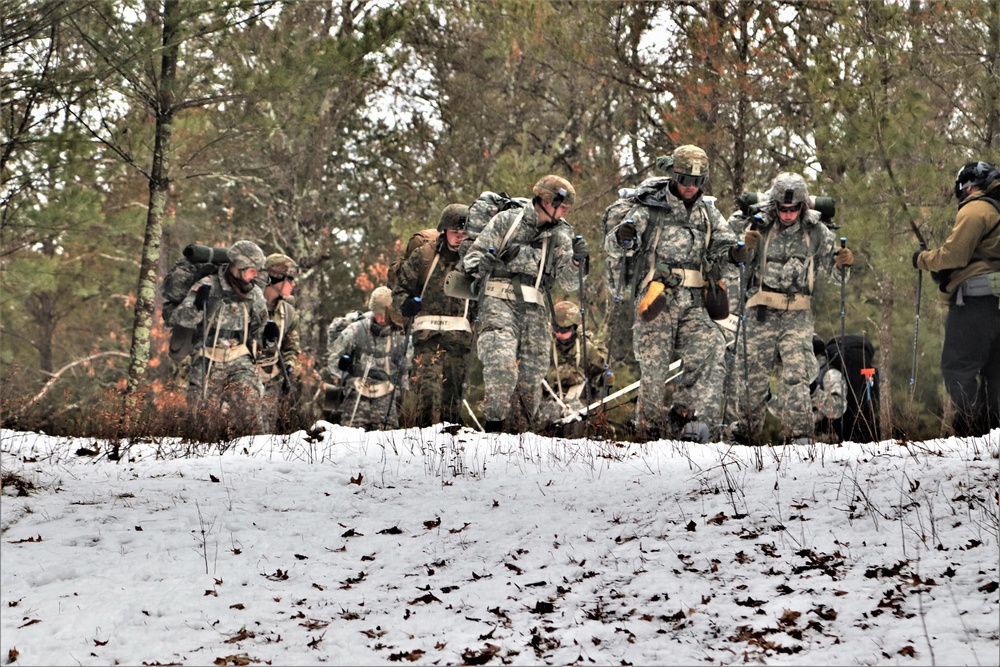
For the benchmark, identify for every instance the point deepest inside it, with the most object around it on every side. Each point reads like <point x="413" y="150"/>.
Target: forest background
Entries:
<point x="332" y="130"/>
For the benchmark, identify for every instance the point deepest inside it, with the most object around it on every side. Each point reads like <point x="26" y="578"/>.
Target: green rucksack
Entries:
<point x="198" y="261"/>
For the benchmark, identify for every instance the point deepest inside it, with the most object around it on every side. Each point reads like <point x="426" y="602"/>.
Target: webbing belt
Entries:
<point x="779" y="301"/>
<point x="501" y="289"/>
<point x="441" y="323"/>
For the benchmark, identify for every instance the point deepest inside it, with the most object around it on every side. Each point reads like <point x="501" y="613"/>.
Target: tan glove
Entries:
<point x="751" y="238"/>
<point x="844" y="258"/>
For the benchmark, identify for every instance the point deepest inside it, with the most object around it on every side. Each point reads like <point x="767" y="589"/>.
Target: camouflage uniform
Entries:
<point x="515" y="338"/>
<point x="674" y="242"/>
<point x="282" y="313"/>
<point x="232" y="341"/>
<point x="375" y="352"/>
<point x="779" y="324"/>
<point x="282" y="388"/>
<point x="569" y="374"/>
<point x="441" y="331"/>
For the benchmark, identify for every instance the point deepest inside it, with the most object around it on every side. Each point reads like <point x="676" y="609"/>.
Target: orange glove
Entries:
<point x="844" y="258"/>
<point x="654" y="301"/>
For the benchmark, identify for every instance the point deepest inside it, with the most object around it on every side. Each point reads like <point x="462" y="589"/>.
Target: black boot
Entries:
<point x="494" y="426"/>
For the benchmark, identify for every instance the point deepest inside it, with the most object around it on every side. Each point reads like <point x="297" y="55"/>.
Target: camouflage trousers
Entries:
<point x="685" y="331"/>
<point x="436" y="378"/>
<point x="783" y="338"/>
<point x="234" y="393"/>
<point x="370" y="413"/>
<point x="514" y="346"/>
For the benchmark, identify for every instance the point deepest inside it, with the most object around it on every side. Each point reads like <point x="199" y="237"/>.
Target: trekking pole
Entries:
<point x="731" y="363"/>
<point x="472" y="354"/>
<point x="357" y="388"/>
<point x="407" y="330"/>
<point x="916" y="330"/>
<point x="843" y="284"/>
<point x="583" y="325"/>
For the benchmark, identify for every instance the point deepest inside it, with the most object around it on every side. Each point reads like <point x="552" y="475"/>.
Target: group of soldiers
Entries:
<point x="492" y="294"/>
<point x="690" y="284"/>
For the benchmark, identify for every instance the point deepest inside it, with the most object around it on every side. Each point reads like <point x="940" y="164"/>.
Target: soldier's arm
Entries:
<point x="186" y="315"/>
<point x="291" y="345"/>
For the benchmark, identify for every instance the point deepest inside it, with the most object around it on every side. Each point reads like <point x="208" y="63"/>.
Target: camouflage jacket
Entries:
<point x="228" y="314"/>
<point x="972" y="248"/>
<point x="689" y="237"/>
<point x="567" y="368"/>
<point x="382" y="348"/>
<point x="287" y="319"/>
<point x="529" y="236"/>
<point x="788" y="260"/>
<point x="413" y="275"/>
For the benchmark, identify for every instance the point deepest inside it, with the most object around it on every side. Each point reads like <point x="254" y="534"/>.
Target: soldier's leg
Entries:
<point x="534" y="358"/>
<point x="701" y="345"/>
<point x="798" y="368"/>
<point x="762" y="355"/>
<point x="453" y="369"/>
<point x="497" y="349"/>
<point x="653" y="344"/>
<point x="244" y="394"/>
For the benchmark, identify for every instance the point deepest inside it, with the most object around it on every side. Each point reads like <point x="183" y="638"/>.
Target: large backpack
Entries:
<point x="418" y="240"/>
<point x="487" y="205"/>
<point x="198" y="261"/>
<point x="854" y="356"/>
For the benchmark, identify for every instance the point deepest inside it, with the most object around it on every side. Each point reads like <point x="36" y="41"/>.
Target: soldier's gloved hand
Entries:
<point x="844" y="258"/>
<point x="581" y="256"/>
<point x="346" y="363"/>
<point x="487" y="262"/>
<point x="411" y="306"/>
<point x="201" y="296"/>
<point x="609" y="379"/>
<point x="916" y="254"/>
<point x="626" y="236"/>
<point x="271" y="333"/>
<point x="751" y="238"/>
<point x="739" y="254"/>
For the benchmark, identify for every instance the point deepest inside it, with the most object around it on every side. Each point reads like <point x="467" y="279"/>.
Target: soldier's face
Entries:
<point x="454" y="237"/>
<point x="788" y="214"/>
<point x="379" y="318"/>
<point x="688" y="192"/>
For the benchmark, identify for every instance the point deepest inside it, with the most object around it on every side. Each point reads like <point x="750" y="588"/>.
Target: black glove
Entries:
<point x="411" y="306"/>
<point x="580" y="247"/>
<point x="626" y="236"/>
<point x="271" y="333"/>
<point x="487" y="263"/>
<point x="915" y="255"/>
<point x="346" y="363"/>
<point x="201" y="297"/>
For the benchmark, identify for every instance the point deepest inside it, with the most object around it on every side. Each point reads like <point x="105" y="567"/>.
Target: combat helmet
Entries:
<point x="979" y="174"/>
<point x="380" y="300"/>
<point x="454" y="216"/>
<point x="689" y="165"/>
<point x="245" y="255"/>
<point x="554" y="190"/>
<point x="788" y="189"/>
<point x="567" y="314"/>
<point x="280" y="266"/>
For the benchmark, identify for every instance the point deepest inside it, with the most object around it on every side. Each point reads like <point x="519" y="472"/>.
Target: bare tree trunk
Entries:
<point x="159" y="182"/>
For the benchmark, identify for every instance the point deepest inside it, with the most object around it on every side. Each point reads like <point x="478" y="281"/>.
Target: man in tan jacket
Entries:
<point x="967" y="269"/>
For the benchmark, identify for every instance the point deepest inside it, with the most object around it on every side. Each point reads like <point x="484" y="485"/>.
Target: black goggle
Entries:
<point x="271" y="280"/>
<point x="558" y="329"/>
<point x="560" y="198"/>
<point x="794" y="208"/>
<point x="688" y="180"/>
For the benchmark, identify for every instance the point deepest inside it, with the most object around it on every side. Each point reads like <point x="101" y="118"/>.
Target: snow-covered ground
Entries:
<point x="432" y="547"/>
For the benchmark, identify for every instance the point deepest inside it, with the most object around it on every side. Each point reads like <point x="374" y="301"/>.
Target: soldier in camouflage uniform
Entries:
<point x="789" y="250"/>
<point x="439" y="324"/>
<point x="369" y="351"/>
<point x="282" y="385"/>
<point x="676" y="234"/>
<point x="517" y="260"/>
<point x="227" y="312"/>
<point x="569" y="373"/>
